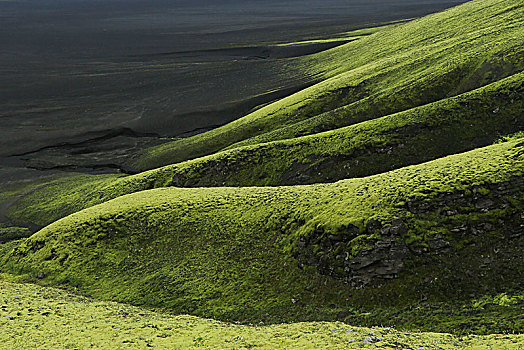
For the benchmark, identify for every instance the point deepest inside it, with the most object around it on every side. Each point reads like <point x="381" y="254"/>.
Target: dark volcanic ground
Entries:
<point x="83" y="83"/>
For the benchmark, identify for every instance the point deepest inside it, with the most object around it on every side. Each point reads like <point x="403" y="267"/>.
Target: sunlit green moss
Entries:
<point x="35" y="317"/>
<point x="226" y="252"/>
<point x="449" y="126"/>
<point x="439" y="85"/>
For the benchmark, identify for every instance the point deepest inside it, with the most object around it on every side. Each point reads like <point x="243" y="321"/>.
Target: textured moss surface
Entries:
<point x="445" y="127"/>
<point x="46" y="200"/>
<point x="377" y="141"/>
<point x="415" y="235"/>
<point x="452" y="125"/>
<point x="230" y="252"/>
<point x="35" y="317"/>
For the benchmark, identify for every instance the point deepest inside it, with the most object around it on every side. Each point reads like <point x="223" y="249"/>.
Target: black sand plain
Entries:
<point x="85" y="83"/>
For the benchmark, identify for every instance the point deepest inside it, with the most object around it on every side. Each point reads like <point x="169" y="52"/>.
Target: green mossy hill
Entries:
<point x="301" y="252"/>
<point x="449" y="126"/>
<point x="48" y="199"/>
<point x="452" y="125"/>
<point x="12" y="233"/>
<point x="32" y="317"/>
<point x="393" y="70"/>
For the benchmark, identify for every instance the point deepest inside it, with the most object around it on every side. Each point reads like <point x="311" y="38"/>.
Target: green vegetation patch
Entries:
<point x="420" y="134"/>
<point x="435" y="246"/>
<point x="49" y="199"/>
<point x="12" y="233"/>
<point x="230" y="253"/>
<point x="35" y="317"/>
<point x="452" y="125"/>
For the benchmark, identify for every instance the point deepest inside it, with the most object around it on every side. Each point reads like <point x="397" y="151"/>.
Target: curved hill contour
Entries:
<point x="389" y="193"/>
<point x="395" y="69"/>
<point x="246" y="253"/>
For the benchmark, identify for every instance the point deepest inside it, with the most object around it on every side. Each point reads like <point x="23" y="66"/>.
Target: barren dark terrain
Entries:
<point x="85" y="83"/>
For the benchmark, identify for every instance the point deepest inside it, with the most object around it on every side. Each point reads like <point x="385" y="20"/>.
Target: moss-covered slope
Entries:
<point x="449" y="126"/>
<point x="41" y="202"/>
<point x="416" y="234"/>
<point x="300" y="252"/>
<point x="396" y="69"/>
<point x="452" y="125"/>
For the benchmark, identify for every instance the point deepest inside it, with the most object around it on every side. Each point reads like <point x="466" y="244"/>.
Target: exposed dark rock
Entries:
<point x="485" y="204"/>
<point x="396" y="228"/>
<point x="386" y="257"/>
<point x="373" y="226"/>
<point x="438" y="243"/>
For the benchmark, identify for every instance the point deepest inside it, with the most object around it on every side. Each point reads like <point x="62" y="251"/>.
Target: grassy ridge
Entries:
<point x="390" y="71"/>
<point x="412" y="237"/>
<point x="445" y="127"/>
<point x="31" y="316"/>
<point x="421" y="89"/>
<point x="219" y="251"/>
<point x="450" y="125"/>
<point x="49" y="199"/>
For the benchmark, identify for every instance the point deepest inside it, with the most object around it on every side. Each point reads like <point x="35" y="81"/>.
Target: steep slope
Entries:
<point x="38" y="203"/>
<point x="452" y="125"/>
<point x="396" y="69"/>
<point x="447" y="126"/>
<point x="420" y="134"/>
<point x="288" y="253"/>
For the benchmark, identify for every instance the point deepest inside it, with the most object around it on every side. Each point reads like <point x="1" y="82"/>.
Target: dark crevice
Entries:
<point x="106" y="135"/>
<point x="86" y="168"/>
<point x="255" y="52"/>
